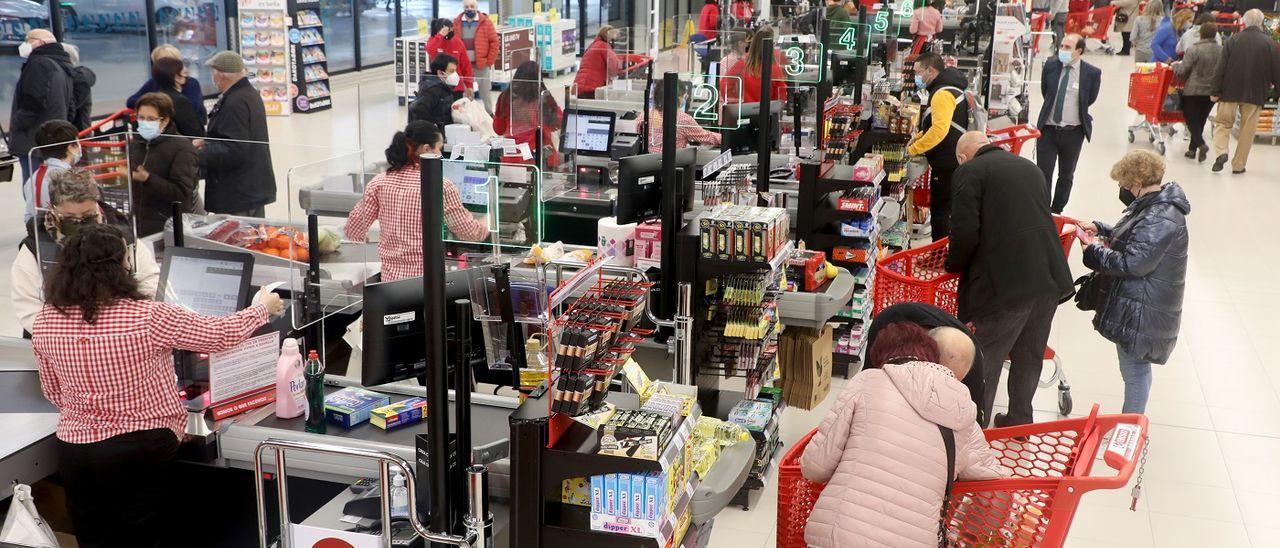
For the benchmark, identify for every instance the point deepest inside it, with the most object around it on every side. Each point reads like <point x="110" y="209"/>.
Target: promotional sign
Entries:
<point x="305" y="536"/>
<point x="264" y="46"/>
<point x="244" y="369"/>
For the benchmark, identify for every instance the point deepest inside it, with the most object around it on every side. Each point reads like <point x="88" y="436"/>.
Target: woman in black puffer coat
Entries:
<point x="1142" y="270"/>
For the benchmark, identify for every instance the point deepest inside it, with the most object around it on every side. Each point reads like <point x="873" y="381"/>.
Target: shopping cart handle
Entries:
<point x="1123" y="447"/>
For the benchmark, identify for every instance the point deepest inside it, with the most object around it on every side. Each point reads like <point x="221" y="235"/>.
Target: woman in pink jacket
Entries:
<point x="880" y="449"/>
<point x="927" y="21"/>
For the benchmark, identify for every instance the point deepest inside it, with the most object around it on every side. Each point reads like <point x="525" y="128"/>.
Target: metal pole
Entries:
<point x="55" y="19"/>
<point x="764" y="150"/>
<point x="437" y="377"/>
<point x="384" y="494"/>
<point x="481" y="519"/>
<point x="672" y="188"/>
<point x="684" y="335"/>
<point x="462" y="391"/>
<point x="282" y="497"/>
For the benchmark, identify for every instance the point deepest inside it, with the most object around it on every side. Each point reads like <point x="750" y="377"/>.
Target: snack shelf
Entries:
<point x="716" y="267"/>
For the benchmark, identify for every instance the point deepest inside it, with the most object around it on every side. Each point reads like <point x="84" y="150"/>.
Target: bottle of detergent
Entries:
<point x="291" y="386"/>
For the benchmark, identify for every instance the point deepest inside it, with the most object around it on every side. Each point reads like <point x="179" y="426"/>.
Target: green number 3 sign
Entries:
<point x="795" y="60"/>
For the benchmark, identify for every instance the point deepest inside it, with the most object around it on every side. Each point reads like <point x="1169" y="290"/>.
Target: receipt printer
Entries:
<point x="624" y="145"/>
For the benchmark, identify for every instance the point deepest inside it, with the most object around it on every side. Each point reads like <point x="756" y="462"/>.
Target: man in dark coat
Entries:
<point x="239" y="178"/>
<point x="434" y="102"/>
<point x="1247" y="69"/>
<point x="44" y="92"/>
<point x="1013" y="269"/>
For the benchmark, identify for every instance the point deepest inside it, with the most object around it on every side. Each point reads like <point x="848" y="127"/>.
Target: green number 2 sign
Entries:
<point x="706" y="99"/>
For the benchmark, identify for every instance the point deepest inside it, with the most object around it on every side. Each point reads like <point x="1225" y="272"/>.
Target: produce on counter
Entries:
<point x="286" y="242"/>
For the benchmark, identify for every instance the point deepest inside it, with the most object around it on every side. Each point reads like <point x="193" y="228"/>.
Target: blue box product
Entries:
<point x="351" y="406"/>
<point x="624" y="495"/>
<point x="402" y="413"/>
<point x="652" y="490"/>
<point x="597" y="494"/>
<point x="611" y="494"/>
<point x="637" y="495"/>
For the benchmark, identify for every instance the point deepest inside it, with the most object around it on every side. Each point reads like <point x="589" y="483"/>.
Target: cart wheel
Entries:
<point x="1131" y="136"/>
<point x="1160" y="149"/>
<point x="1151" y="138"/>
<point x="1064" y="399"/>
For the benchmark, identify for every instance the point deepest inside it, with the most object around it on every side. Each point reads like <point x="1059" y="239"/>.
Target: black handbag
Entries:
<point x="1088" y="291"/>
<point x="1122" y="17"/>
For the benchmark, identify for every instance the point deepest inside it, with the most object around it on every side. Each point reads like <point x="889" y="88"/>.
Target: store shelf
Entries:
<point x="715" y="267"/>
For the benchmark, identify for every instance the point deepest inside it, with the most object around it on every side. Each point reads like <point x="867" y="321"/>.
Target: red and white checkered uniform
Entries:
<point x="115" y="376"/>
<point x="394" y="199"/>
<point x="687" y="129"/>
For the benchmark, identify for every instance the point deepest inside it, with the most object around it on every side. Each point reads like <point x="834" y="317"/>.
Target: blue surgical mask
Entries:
<point x="1064" y="56"/>
<point x="920" y="82"/>
<point x="76" y="156"/>
<point x="149" y="129"/>
<point x="471" y="13"/>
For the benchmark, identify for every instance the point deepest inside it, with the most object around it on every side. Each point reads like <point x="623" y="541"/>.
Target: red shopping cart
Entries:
<point x="919" y="275"/>
<point x="106" y="156"/>
<point x="1038" y="21"/>
<point x="1148" y="91"/>
<point x="1051" y="465"/>
<point x="1094" y="23"/>
<point x="1013" y="137"/>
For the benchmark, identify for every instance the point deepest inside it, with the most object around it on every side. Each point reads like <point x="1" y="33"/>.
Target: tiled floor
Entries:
<point x="1213" y="475"/>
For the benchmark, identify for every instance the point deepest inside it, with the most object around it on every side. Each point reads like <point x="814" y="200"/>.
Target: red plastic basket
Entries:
<point x="1095" y="23"/>
<point x="1013" y="137"/>
<point x="1050" y="464"/>
<point x="919" y="275"/>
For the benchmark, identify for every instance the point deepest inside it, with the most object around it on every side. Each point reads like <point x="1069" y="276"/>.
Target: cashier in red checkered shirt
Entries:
<point x="688" y="131"/>
<point x="394" y="199"/>
<point x="105" y="357"/>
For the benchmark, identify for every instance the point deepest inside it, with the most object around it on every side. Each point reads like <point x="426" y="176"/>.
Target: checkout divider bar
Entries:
<point x="437" y="377"/>
<point x="385" y="460"/>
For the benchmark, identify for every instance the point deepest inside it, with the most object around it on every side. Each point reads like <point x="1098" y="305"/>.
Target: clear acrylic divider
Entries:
<point x="492" y="206"/>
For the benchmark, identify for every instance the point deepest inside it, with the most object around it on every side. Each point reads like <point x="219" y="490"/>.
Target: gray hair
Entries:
<point x="1253" y="18"/>
<point x="73" y="51"/>
<point x="72" y="186"/>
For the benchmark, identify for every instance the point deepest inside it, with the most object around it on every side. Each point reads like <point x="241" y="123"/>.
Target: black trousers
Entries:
<point x="1059" y="147"/>
<point x="1127" y="44"/>
<point x="940" y="173"/>
<point x="1019" y="332"/>
<point x="120" y="490"/>
<point x="1196" y="109"/>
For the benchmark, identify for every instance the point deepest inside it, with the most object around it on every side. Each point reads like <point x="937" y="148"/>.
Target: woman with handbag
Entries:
<point x="1139" y="271"/>
<point x="1126" y="13"/>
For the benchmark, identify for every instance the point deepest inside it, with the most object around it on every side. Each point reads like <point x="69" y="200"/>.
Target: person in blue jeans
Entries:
<point x="1141" y="267"/>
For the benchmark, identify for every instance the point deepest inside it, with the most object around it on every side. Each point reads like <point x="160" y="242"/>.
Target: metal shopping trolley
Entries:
<point x="1051" y="468"/>
<point x="1013" y="137"/>
<point x="106" y="156"/>
<point x="919" y="275"/>
<point x="1148" y="91"/>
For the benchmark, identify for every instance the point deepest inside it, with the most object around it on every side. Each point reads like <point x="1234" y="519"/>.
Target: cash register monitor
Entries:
<point x="746" y="138"/>
<point x="394" y="343"/>
<point x="639" y="191"/>
<point x="588" y="132"/>
<point x="206" y="281"/>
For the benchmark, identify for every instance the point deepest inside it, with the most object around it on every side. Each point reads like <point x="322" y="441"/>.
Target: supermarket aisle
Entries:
<point x="1213" y="474"/>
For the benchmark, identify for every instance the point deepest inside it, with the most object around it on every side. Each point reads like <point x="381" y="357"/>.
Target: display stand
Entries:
<point x="307" y="60"/>
<point x="555" y="38"/>
<point x="1010" y="64"/>
<point x="411" y="63"/>
<point x="264" y="44"/>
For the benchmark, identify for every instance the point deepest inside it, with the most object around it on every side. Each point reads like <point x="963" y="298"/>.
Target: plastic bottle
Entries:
<point x="314" y="373"/>
<point x="399" y="497"/>
<point x="291" y="386"/>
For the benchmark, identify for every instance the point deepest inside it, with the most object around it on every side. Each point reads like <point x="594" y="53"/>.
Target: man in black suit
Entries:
<point x="1012" y="268"/>
<point x="1069" y="87"/>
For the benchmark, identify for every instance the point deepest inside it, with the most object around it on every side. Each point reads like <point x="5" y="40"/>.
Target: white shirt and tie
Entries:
<point x="1066" y="106"/>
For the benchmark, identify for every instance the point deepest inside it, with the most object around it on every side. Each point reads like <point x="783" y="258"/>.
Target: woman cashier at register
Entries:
<point x="394" y="199"/>
<point x="105" y="357"/>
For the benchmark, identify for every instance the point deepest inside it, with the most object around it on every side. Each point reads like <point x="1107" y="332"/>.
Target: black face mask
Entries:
<point x="1127" y="196"/>
<point x="449" y="36"/>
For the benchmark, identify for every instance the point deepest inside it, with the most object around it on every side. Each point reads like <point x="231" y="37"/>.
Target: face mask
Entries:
<point x="68" y="228"/>
<point x="920" y="84"/>
<point x="471" y="13"/>
<point x="1064" y="56"/>
<point x="449" y="36"/>
<point x="1127" y="196"/>
<point x="75" y="156"/>
<point x="452" y="79"/>
<point x="24" y="49"/>
<point x="149" y="129"/>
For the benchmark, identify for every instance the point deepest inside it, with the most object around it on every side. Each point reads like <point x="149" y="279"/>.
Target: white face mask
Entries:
<point x="452" y="80"/>
<point x="24" y="49"/>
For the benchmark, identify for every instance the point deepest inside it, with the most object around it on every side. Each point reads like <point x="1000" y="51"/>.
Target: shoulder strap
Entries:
<point x="949" y="442"/>
<point x="962" y="98"/>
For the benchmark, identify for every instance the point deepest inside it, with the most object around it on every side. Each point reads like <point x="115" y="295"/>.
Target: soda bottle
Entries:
<point x="313" y="370"/>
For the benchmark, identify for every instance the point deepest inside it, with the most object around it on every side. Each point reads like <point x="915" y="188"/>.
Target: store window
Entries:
<point x="411" y="12"/>
<point x="339" y="33"/>
<point x="112" y="36"/>
<point x="377" y="31"/>
<point x="198" y="28"/>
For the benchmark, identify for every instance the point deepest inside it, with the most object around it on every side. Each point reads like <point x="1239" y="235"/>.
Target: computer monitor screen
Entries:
<point x="746" y="138"/>
<point x="394" y="343"/>
<point x="589" y="132"/>
<point x="471" y="179"/>
<point x="208" y="282"/>
<point x="639" y="189"/>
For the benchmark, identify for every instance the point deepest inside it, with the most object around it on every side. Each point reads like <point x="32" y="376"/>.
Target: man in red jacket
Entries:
<point x="709" y="19"/>
<point x="481" y="39"/>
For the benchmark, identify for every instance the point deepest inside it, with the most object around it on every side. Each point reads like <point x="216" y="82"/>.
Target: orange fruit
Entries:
<point x="301" y="255"/>
<point x="271" y="251"/>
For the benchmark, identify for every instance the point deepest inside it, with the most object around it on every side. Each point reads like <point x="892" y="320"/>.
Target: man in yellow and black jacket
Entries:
<point x="944" y="119"/>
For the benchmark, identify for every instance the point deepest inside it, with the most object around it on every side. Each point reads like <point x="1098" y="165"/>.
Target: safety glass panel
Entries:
<point x="490" y="206"/>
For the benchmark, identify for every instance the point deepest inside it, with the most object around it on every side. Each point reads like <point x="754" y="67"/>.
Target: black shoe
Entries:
<point x="1234" y="172"/>
<point x="1220" y="161"/>
<point x="1190" y="153"/>
<point x="1202" y="154"/>
<point x="1001" y="420"/>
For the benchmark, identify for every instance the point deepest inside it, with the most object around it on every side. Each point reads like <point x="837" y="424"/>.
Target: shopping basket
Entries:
<point x="1050" y="464"/>
<point x="1038" y="20"/>
<point x="1147" y="93"/>
<point x="1013" y="137"/>
<point x="1094" y="23"/>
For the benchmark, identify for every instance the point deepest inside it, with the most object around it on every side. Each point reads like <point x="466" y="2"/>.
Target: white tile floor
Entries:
<point x="1213" y="476"/>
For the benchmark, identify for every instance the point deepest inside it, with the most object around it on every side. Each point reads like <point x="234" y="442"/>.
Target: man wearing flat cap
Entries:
<point x="239" y="178"/>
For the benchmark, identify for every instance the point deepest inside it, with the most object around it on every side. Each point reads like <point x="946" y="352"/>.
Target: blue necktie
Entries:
<point x="1060" y="100"/>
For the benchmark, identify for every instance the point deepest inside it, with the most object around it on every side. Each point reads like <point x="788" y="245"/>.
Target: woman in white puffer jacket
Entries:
<point x="880" y="449"/>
